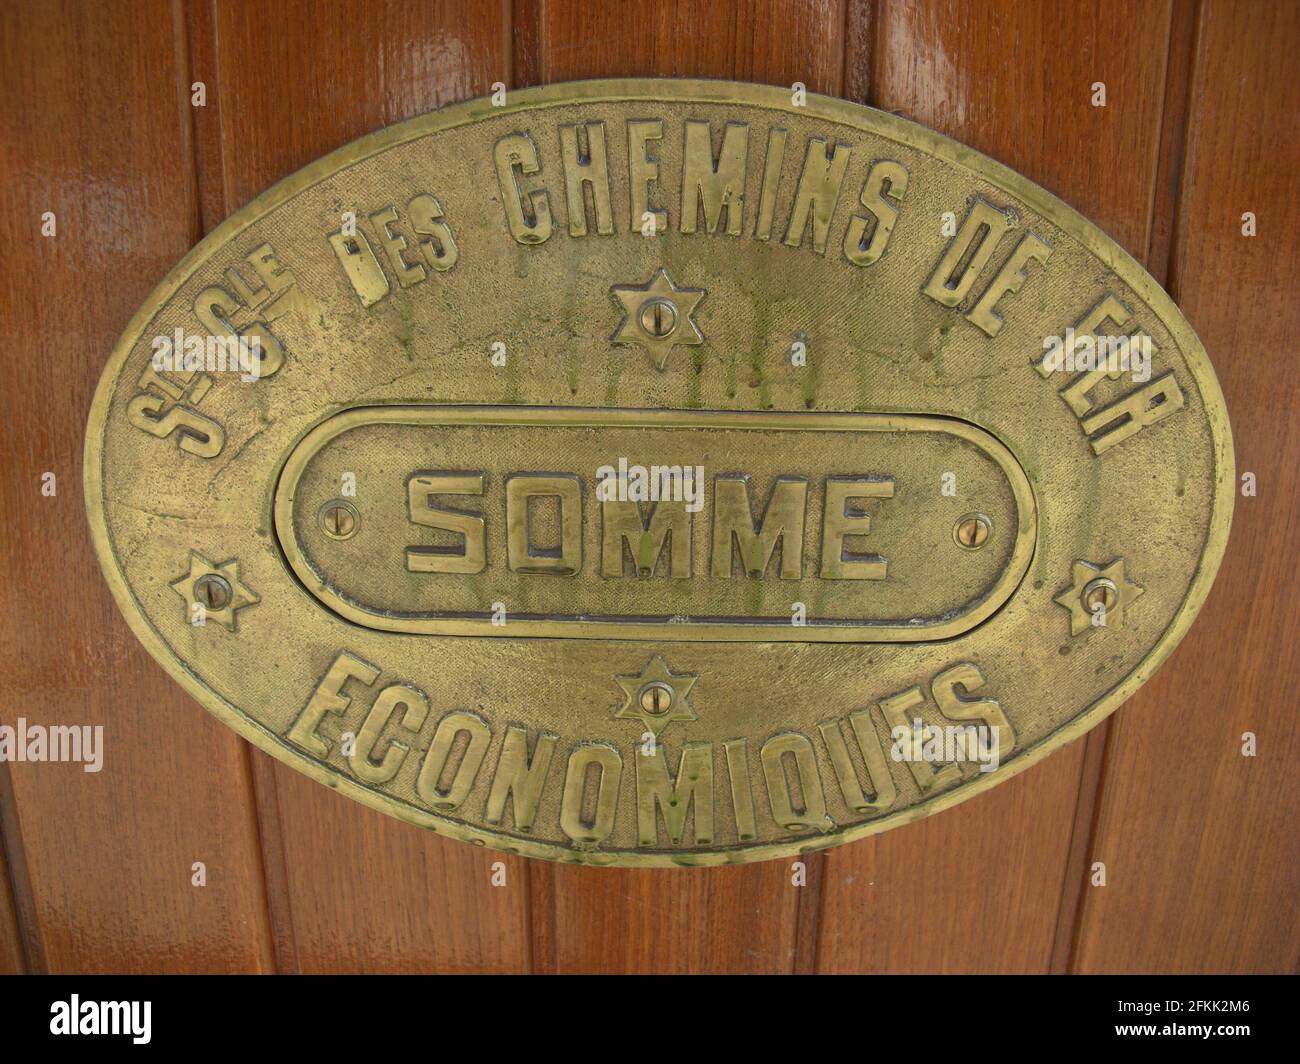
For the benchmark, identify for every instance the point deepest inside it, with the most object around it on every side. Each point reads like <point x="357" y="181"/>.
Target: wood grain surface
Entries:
<point x="980" y="888"/>
<point x="352" y="889"/>
<point x="11" y="947"/>
<point x="1199" y="842"/>
<point x="95" y="128"/>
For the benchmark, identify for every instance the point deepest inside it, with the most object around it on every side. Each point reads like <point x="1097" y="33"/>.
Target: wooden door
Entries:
<point x="1199" y="128"/>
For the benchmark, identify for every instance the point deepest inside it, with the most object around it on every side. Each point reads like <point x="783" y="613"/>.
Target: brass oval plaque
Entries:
<point x="659" y="472"/>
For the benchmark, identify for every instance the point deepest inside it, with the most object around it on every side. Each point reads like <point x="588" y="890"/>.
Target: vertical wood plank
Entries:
<point x="742" y="919"/>
<point x="351" y="889"/>
<point x="12" y="961"/>
<point x="1199" y="842"/>
<point x="776" y="42"/>
<point x="978" y="888"/>
<point x="667" y="920"/>
<point x="1169" y="164"/>
<point x="95" y="128"/>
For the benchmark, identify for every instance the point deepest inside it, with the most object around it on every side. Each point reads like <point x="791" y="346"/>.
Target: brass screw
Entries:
<point x="658" y="317"/>
<point x="1100" y="592"/>
<point x="212" y="591"/>
<point x="972" y="531"/>
<point x="656" y="698"/>
<point x="338" y="519"/>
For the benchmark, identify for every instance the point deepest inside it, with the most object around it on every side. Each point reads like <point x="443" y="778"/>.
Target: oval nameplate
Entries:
<point x="918" y="582"/>
<point x="659" y="473"/>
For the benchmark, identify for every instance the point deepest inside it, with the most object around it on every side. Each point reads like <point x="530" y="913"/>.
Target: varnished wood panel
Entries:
<point x="776" y="42"/>
<point x="351" y="889"/>
<point x="1200" y="843"/>
<point x="980" y="887"/>
<point x="11" y="947"/>
<point x="95" y="128"/>
<point x="669" y="920"/>
<point x="298" y="78"/>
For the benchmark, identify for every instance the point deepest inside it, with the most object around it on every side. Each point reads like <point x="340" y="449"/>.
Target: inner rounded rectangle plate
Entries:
<point x="921" y="477"/>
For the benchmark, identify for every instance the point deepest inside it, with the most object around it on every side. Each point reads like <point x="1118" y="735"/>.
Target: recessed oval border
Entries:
<point x="650" y="90"/>
<point x="705" y="630"/>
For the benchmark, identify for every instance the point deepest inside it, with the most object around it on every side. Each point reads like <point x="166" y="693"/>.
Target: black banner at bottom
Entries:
<point x="384" y="1013"/>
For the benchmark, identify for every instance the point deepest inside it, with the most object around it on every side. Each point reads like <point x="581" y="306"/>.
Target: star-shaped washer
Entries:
<point x="1094" y="585"/>
<point x="217" y="588"/>
<point x="656" y="697"/>
<point x="657" y="315"/>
